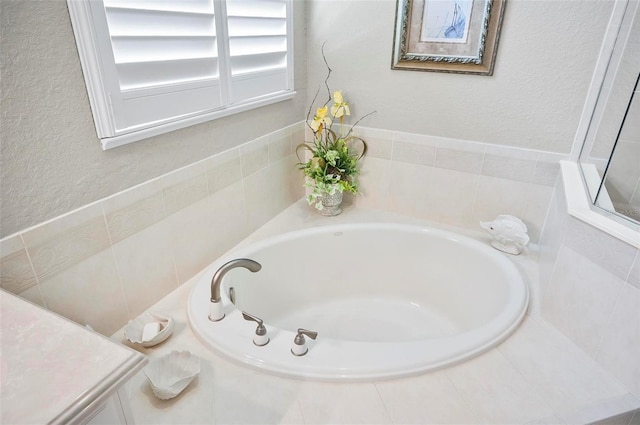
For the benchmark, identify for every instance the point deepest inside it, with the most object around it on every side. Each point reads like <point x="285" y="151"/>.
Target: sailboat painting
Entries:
<point x="459" y="36"/>
<point x="446" y="21"/>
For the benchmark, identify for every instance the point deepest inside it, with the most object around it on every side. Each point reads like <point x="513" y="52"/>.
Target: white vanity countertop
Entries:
<point x="537" y="376"/>
<point x="53" y="369"/>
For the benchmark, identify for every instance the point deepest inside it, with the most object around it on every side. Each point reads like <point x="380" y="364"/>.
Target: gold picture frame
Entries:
<point x="458" y="36"/>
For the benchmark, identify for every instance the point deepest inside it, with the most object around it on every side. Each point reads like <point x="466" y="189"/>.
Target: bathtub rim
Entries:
<point x="238" y="331"/>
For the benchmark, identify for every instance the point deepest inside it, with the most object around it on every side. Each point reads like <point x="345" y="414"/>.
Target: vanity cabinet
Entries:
<point x="57" y="372"/>
<point x="115" y="411"/>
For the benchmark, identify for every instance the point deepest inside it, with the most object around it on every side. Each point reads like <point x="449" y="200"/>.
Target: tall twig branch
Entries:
<point x="311" y="108"/>
<point x="356" y="123"/>
<point x="329" y="70"/>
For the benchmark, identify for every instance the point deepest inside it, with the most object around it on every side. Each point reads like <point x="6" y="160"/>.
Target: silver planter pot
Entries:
<point x="331" y="204"/>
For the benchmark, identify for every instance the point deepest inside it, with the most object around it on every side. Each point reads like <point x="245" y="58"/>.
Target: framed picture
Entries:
<point x="447" y="35"/>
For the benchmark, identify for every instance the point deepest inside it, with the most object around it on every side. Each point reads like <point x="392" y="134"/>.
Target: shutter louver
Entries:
<point x="258" y="47"/>
<point x="166" y="60"/>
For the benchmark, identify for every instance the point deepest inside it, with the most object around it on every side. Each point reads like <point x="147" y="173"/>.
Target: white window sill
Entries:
<point x="133" y="136"/>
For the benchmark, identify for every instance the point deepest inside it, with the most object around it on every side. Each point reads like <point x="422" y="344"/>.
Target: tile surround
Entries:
<point x="569" y="380"/>
<point x="17" y="272"/>
<point x="107" y="262"/>
<point x="497" y="391"/>
<point x="456" y="182"/>
<point x="66" y="241"/>
<point x="134" y="210"/>
<point x="618" y="351"/>
<point x="223" y="170"/>
<point x="592" y="294"/>
<point x="130" y="249"/>
<point x="254" y="156"/>
<point x="431" y="398"/>
<point x="600" y="248"/>
<point x="579" y="286"/>
<point x="451" y="197"/>
<point x="524" y="374"/>
<point x="188" y="217"/>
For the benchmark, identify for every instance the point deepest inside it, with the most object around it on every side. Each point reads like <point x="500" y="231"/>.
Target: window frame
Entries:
<point x="90" y="38"/>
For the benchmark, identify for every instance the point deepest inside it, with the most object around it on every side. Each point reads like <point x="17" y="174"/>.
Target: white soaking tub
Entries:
<point x="387" y="300"/>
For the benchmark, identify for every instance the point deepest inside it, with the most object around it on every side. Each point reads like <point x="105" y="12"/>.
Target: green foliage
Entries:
<point x="333" y="165"/>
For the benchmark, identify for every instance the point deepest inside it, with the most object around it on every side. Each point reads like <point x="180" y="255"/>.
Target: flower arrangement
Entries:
<point x="333" y="165"/>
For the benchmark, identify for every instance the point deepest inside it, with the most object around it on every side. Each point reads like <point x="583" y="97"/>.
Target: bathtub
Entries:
<point x="387" y="301"/>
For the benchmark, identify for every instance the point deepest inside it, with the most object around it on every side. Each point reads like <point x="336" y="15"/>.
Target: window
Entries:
<point x="153" y="66"/>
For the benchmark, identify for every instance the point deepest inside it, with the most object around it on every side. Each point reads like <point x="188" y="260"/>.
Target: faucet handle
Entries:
<point x="299" y="347"/>
<point x="260" y="337"/>
<point x="302" y="332"/>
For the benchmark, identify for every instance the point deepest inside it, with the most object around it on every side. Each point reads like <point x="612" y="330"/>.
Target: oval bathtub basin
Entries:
<point x="387" y="300"/>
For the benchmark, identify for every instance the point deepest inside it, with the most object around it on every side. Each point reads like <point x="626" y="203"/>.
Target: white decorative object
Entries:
<point x="135" y="329"/>
<point x="171" y="373"/>
<point x="509" y="233"/>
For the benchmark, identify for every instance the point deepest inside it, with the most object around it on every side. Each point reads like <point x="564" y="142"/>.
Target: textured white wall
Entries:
<point x="546" y="57"/>
<point x="51" y="161"/>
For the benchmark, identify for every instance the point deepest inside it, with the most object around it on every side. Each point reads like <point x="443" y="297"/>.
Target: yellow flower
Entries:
<point x="340" y="107"/>
<point x="317" y="162"/>
<point x="321" y="119"/>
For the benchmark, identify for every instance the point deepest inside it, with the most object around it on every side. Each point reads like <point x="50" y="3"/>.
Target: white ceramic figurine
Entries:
<point x="509" y="233"/>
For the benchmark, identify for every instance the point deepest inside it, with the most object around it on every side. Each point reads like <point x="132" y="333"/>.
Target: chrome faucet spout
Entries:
<point x="251" y="265"/>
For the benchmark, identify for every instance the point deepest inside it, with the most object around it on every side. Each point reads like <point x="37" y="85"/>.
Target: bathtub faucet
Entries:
<point x="216" y="311"/>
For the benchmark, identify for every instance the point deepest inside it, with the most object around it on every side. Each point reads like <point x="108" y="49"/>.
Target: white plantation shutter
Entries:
<point x="258" y="49"/>
<point x="165" y="58"/>
<point x="163" y="64"/>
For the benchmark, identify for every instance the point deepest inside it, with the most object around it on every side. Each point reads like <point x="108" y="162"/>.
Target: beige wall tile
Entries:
<point x="427" y="399"/>
<point x="580" y="298"/>
<point x="184" y="187"/>
<point x="634" y="273"/>
<point x="268" y="192"/>
<point x="413" y="153"/>
<point x="16" y="273"/>
<point x="200" y="233"/>
<point x="610" y="253"/>
<point x="223" y="170"/>
<point x="279" y="145"/>
<point x="499" y="196"/>
<point x="374" y="182"/>
<point x="272" y="401"/>
<point x="408" y="185"/>
<point x="378" y="147"/>
<point x="89" y="292"/>
<point x="133" y="210"/>
<point x="620" y="347"/>
<point x="546" y="173"/>
<point x="66" y="241"/>
<point x="496" y="391"/>
<point x="297" y="135"/>
<point x="552" y="235"/>
<point x="452" y="159"/>
<point x="338" y="403"/>
<point x="536" y="208"/>
<point x="254" y="156"/>
<point x="612" y="411"/>
<point x="450" y="196"/>
<point x="146" y="267"/>
<point x="566" y="377"/>
<point x="508" y="167"/>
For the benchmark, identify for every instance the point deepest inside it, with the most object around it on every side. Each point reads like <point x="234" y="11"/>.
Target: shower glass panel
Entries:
<point x="610" y="156"/>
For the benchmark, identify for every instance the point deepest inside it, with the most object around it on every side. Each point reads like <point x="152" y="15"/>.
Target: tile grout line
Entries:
<point x="384" y="405"/>
<point x="477" y="415"/>
<point x="33" y="270"/>
<point x="115" y="263"/>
